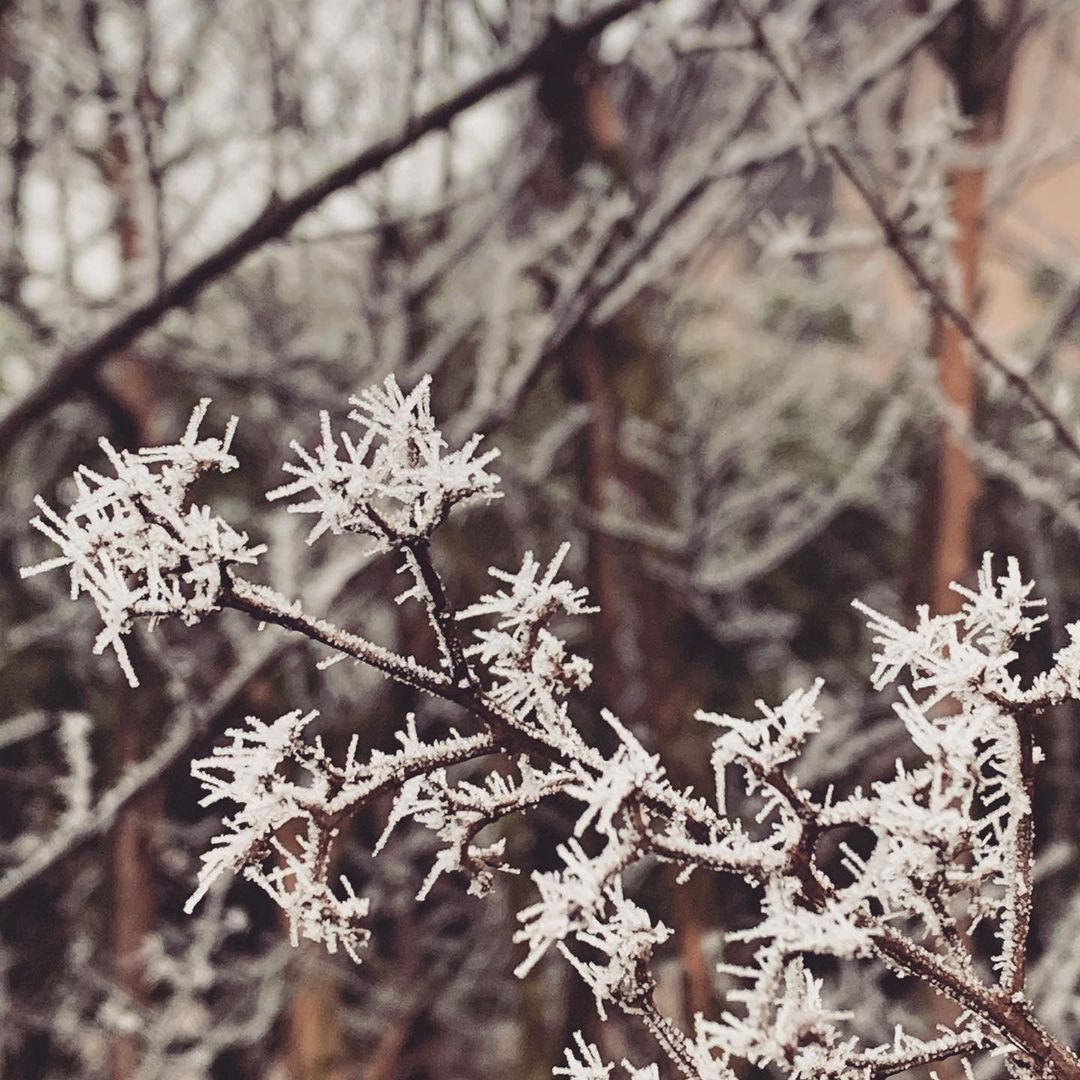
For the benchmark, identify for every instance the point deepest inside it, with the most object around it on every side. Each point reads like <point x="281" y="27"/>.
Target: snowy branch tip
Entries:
<point x="397" y="483"/>
<point x="134" y="542"/>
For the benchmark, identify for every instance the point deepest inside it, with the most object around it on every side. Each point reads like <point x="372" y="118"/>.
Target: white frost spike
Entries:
<point x="314" y="912"/>
<point x="278" y="779"/>
<point x="630" y="769"/>
<point x="529" y="602"/>
<point x="457" y="812"/>
<point x="570" y="898"/>
<point x="590" y="1066"/>
<point x="134" y="544"/>
<point x="762" y="744"/>
<point x="246" y="771"/>
<point x="787" y="1025"/>
<point x="398" y="482"/>
<point x="948" y="652"/>
<point x="625" y="937"/>
<point x="250" y="771"/>
<point x="532" y="666"/>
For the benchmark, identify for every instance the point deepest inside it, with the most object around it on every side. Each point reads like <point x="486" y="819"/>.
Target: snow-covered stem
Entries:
<point x="1014" y="970"/>
<point x="440" y="610"/>
<point x="876" y="1065"/>
<point x="268" y="607"/>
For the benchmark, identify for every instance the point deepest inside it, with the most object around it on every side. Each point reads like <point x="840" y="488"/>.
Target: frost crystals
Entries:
<point x="136" y="545"/>
<point x="398" y="481"/>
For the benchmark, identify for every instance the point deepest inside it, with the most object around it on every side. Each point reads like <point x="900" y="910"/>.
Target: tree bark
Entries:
<point x="978" y="55"/>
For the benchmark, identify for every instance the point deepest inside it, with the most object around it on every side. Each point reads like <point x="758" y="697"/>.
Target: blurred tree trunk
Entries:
<point x="957" y="482"/>
<point x="314" y="1047"/>
<point x="134" y="906"/>
<point x="615" y="373"/>
<point x="977" y="53"/>
<point x="592" y="369"/>
<point x="127" y="396"/>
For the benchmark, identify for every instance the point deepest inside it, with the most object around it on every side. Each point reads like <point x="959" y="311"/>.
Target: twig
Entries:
<point x="441" y="612"/>
<point x="1014" y="973"/>
<point x="265" y="606"/>
<point x="1064" y="317"/>
<point x="882" y="1066"/>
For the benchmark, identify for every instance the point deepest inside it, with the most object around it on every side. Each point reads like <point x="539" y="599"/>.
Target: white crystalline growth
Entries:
<point x="949" y="654"/>
<point x="590" y="1065"/>
<point x="532" y="665"/>
<point x="135" y="544"/>
<point x="249" y="771"/>
<point x="624" y="937"/>
<point x="300" y="889"/>
<point x="398" y="481"/>
<point x="764" y="743"/>
<point x="457" y="812"/>
<point x="629" y="770"/>
<point x="792" y="1028"/>
<point x="571" y="899"/>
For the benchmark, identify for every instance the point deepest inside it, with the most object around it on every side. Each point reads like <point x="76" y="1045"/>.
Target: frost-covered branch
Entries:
<point x="952" y="828"/>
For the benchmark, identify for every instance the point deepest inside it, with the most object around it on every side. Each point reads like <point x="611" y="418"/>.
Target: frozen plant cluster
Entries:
<point x="948" y="869"/>
<point x="397" y="482"/>
<point x="137" y="545"/>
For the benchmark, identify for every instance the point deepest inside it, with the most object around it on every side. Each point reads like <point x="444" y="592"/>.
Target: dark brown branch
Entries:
<point x="668" y="1037"/>
<point x="895" y="239"/>
<point x="1011" y="1017"/>
<point x="441" y="612"/>
<point x="880" y="1068"/>
<point x="262" y="605"/>
<point x="1064" y="317"/>
<point x="514" y="735"/>
<point x="71" y="369"/>
<point x="437" y="757"/>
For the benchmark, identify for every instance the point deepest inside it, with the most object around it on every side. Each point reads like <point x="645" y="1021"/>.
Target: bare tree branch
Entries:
<point x="72" y="368"/>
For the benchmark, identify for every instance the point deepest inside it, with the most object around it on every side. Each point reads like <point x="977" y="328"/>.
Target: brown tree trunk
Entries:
<point x="315" y="1050"/>
<point x="978" y="55"/>
<point x="979" y="59"/>
<point x="958" y="484"/>
<point x="599" y="469"/>
<point x="131" y="402"/>
<point x="638" y="674"/>
<point x="131" y="867"/>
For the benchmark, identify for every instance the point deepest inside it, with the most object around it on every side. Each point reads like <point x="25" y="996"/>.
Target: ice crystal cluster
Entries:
<point x="397" y="482"/>
<point x="135" y="543"/>
<point x="948" y="866"/>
